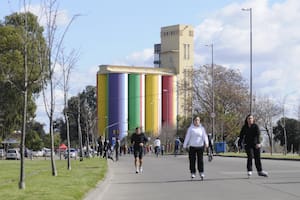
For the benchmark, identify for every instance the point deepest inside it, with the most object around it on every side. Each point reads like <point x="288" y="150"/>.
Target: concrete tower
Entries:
<point x="177" y="53"/>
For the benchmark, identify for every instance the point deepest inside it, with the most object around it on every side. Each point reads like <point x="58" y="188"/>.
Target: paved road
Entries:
<point x="168" y="178"/>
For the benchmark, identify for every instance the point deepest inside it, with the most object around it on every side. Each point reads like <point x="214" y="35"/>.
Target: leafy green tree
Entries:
<point x="47" y="140"/>
<point x="33" y="140"/>
<point x="87" y="116"/>
<point x="292" y="133"/>
<point x="12" y="54"/>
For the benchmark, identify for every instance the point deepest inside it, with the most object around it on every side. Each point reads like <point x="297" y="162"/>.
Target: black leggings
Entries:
<point x="196" y="153"/>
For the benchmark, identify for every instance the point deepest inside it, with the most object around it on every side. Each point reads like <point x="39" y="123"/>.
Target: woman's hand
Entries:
<point x="258" y="146"/>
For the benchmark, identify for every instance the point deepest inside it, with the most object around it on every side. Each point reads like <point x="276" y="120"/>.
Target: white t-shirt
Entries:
<point x="156" y="143"/>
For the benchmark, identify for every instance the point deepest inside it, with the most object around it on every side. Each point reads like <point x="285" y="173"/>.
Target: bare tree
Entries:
<point x="67" y="63"/>
<point x="230" y="93"/>
<point x="54" y="47"/>
<point x="265" y="110"/>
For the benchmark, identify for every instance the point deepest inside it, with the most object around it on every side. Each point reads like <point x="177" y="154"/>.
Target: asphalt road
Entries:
<point x="168" y="178"/>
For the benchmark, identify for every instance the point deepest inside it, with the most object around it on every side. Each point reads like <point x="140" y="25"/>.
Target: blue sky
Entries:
<point x="124" y="32"/>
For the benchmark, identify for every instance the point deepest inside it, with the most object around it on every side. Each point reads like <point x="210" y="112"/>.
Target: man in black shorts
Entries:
<point x="138" y="140"/>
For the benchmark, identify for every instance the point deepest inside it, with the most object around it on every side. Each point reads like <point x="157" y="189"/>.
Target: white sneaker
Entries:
<point x="193" y="176"/>
<point x="202" y="175"/>
<point x="141" y="169"/>
<point x="249" y="173"/>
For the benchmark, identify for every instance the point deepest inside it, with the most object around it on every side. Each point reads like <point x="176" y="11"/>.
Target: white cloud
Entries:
<point x="39" y="10"/>
<point x="276" y="42"/>
<point x="143" y="58"/>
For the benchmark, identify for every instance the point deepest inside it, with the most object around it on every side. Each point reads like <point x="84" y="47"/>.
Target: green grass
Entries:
<point x="40" y="184"/>
<point x="264" y="155"/>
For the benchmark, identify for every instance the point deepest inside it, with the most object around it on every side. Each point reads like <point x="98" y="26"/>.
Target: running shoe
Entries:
<point x="249" y="173"/>
<point x="202" y="175"/>
<point x="141" y="169"/>
<point x="193" y="175"/>
<point x="263" y="173"/>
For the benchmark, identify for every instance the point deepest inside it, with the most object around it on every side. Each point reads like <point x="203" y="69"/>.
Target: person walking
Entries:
<point x="210" y="149"/>
<point x="117" y="148"/>
<point x="100" y="146"/>
<point x="250" y="138"/>
<point x="195" y="141"/>
<point x="177" y="146"/>
<point x="138" y="140"/>
<point x="157" y="144"/>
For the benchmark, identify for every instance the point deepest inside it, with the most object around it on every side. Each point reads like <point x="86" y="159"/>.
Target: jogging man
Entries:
<point x="138" y="140"/>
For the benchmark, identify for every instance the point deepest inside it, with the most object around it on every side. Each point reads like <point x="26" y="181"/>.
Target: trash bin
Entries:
<point x="220" y="147"/>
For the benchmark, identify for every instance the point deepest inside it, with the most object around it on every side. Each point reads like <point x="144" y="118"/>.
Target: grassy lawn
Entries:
<point x="265" y="155"/>
<point x="40" y="184"/>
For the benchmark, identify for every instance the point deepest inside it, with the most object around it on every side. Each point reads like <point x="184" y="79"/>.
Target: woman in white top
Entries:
<point x="195" y="141"/>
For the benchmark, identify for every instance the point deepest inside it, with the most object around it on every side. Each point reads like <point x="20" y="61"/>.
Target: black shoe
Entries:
<point x="263" y="173"/>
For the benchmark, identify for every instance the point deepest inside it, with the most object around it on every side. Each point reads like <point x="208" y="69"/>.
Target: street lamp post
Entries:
<point x="250" y="11"/>
<point x="213" y="114"/>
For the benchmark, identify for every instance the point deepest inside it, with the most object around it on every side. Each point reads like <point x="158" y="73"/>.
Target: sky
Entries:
<point x="124" y="33"/>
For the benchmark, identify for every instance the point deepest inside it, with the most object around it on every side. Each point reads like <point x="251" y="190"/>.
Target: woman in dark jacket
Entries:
<point x="250" y="137"/>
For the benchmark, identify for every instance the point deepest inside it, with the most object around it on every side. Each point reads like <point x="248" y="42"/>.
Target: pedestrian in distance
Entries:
<point x="162" y="149"/>
<point x="196" y="142"/>
<point x="138" y="140"/>
<point x="100" y="146"/>
<point x="177" y="146"/>
<point x="107" y="150"/>
<point x="210" y="149"/>
<point x="250" y="139"/>
<point x="157" y="144"/>
<point x="117" y="149"/>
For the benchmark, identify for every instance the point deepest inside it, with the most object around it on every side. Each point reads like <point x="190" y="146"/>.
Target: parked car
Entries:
<point x="2" y="153"/>
<point x="47" y="152"/>
<point x="73" y="153"/>
<point x="13" y="154"/>
<point x="37" y="153"/>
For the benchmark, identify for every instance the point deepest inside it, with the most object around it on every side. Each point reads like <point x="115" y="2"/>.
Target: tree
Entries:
<point x="86" y="115"/>
<point x="67" y="64"/>
<point x="34" y="136"/>
<point x="231" y="98"/>
<point x="292" y="132"/>
<point x="54" y="43"/>
<point x="265" y="110"/>
<point x="23" y="73"/>
<point x="20" y="34"/>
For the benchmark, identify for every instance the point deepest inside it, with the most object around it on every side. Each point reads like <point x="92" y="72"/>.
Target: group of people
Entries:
<point x="197" y="141"/>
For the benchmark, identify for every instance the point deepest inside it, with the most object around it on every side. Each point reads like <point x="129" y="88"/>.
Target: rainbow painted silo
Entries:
<point x="130" y="97"/>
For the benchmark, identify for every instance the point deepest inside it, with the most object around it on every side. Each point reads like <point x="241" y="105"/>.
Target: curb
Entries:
<point x="101" y="186"/>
